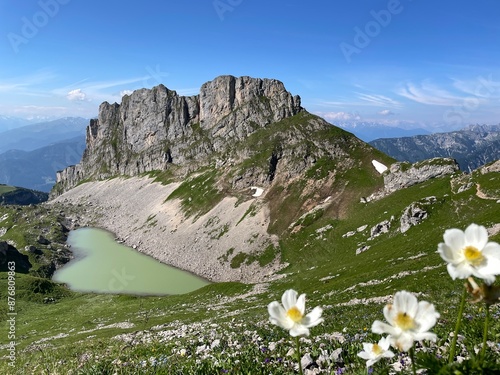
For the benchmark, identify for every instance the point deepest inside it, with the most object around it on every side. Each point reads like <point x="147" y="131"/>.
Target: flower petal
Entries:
<point x="492" y="250"/>
<point x="299" y="330"/>
<point x="476" y="235"/>
<point x="381" y="327"/>
<point x="481" y="273"/>
<point x="384" y="342"/>
<point x="454" y="238"/>
<point x="426" y="316"/>
<point x="425" y="336"/>
<point x="406" y="302"/>
<point x="289" y="299"/>
<point x="367" y="347"/>
<point x="277" y="315"/>
<point x="403" y="342"/>
<point x="459" y="271"/>
<point x="371" y="362"/>
<point x="301" y="303"/>
<point x="388" y="354"/>
<point x="390" y="313"/>
<point x="492" y="254"/>
<point x="313" y="318"/>
<point x="449" y="254"/>
<point x="365" y="354"/>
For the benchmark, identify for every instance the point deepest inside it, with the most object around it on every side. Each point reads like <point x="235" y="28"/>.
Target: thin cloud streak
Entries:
<point x="429" y="94"/>
<point x="379" y="100"/>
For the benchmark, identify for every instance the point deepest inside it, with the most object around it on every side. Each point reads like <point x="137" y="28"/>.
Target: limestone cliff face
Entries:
<point x="153" y="128"/>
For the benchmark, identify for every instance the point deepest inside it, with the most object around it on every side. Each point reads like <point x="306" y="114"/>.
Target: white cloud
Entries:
<point x="379" y="100"/>
<point x="386" y="112"/>
<point x="76" y="95"/>
<point x="428" y="93"/>
<point x="481" y="87"/>
<point x="339" y="116"/>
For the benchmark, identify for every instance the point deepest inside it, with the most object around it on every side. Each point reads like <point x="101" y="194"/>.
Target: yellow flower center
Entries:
<point x="473" y="255"/>
<point x="294" y="314"/>
<point x="404" y="321"/>
<point x="377" y="349"/>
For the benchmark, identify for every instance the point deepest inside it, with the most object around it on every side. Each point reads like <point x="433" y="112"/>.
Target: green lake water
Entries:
<point x="102" y="265"/>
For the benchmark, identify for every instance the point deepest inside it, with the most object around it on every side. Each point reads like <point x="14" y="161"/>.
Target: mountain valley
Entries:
<point x="243" y="186"/>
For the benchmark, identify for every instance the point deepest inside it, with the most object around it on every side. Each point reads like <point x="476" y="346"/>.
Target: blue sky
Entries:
<point x="425" y="63"/>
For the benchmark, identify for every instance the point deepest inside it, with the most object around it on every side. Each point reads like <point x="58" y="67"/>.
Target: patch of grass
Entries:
<point x="151" y="221"/>
<point x="321" y="169"/>
<point x="6" y="189"/>
<point x="251" y="211"/>
<point x="164" y="177"/>
<point x="224" y="257"/>
<point x="217" y="233"/>
<point x="264" y="258"/>
<point x="238" y="260"/>
<point x="198" y="194"/>
<point x="489" y="183"/>
<point x="268" y="255"/>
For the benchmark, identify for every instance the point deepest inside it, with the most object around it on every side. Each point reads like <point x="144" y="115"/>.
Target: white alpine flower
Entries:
<point x="373" y="353"/>
<point x="470" y="254"/>
<point x="409" y="321"/>
<point x="291" y="316"/>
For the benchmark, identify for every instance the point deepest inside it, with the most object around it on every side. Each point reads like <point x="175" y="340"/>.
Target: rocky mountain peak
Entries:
<point x="152" y="128"/>
<point x="225" y="94"/>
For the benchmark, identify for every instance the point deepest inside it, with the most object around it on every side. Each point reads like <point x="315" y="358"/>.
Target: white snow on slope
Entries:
<point x="381" y="168"/>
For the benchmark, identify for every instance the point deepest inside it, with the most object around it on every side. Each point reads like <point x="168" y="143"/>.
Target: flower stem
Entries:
<point x="485" y="332"/>
<point x="299" y="357"/>
<point x="457" y="327"/>
<point x="412" y="356"/>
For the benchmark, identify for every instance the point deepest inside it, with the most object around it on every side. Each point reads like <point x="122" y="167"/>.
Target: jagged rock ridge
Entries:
<point x="153" y="128"/>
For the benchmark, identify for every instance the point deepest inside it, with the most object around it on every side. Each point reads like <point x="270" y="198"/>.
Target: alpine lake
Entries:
<point x="101" y="265"/>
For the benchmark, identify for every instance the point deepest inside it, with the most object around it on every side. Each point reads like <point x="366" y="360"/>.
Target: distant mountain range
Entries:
<point x="20" y="196"/>
<point x="32" y="153"/>
<point x="37" y="169"/>
<point x="9" y="122"/>
<point x="368" y="131"/>
<point x="472" y="147"/>
<point x="33" y="136"/>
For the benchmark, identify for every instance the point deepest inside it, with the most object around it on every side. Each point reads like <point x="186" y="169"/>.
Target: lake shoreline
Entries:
<point x="136" y="211"/>
<point x="101" y="265"/>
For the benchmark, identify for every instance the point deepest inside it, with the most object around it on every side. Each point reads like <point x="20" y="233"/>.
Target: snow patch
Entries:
<point x="258" y="191"/>
<point x="381" y="168"/>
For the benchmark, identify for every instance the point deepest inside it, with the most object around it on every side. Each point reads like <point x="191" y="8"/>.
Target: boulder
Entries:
<point x="378" y="229"/>
<point x="415" y="213"/>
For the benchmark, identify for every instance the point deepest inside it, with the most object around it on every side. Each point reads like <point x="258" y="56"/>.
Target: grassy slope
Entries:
<point x="5" y="189"/>
<point x="311" y="260"/>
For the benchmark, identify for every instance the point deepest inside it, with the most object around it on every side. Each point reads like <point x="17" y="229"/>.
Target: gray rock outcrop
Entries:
<point x="380" y="228"/>
<point x="415" y="213"/>
<point x="153" y="128"/>
<point x="403" y="175"/>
